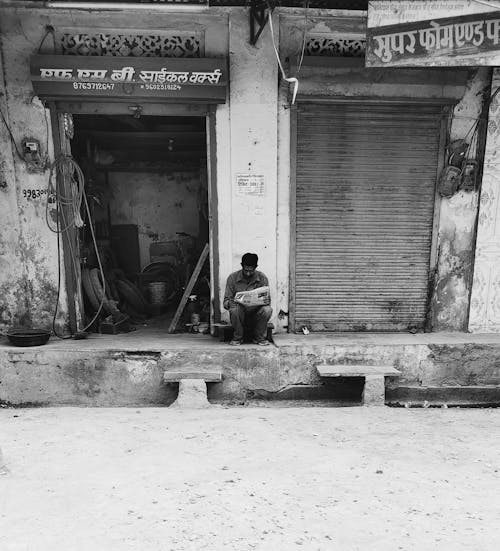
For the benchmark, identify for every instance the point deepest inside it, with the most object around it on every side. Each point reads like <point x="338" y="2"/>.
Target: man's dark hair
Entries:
<point x="249" y="259"/>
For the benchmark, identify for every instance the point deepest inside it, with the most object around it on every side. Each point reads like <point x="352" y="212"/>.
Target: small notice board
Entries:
<point x="250" y="184"/>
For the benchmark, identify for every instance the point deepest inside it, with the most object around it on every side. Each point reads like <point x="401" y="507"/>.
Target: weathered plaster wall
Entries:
<point x="457" y="223"/>
<point x="159" y="204"/>
<point x="28" y="258"/>
<point x="12" y="304"/>
<point x="485" y="297"/>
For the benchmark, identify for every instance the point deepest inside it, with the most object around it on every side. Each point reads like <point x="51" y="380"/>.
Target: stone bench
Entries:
<point x="374" y="375"/>
<point x="192" y="385"/>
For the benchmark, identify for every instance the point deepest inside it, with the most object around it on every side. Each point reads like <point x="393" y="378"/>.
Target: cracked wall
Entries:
<point x="457" y="223"/>
<point x="28" y="250"/>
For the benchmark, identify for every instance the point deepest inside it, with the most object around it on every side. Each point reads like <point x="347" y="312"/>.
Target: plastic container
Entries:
<point x="158" y="292"/>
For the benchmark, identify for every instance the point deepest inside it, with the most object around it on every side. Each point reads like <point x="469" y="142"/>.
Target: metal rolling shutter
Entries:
<point x="365" y="191"/>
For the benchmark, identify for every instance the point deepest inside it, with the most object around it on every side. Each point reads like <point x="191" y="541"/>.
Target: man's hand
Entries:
<point x="267" y="301"/>
<point x="229" y="303"/>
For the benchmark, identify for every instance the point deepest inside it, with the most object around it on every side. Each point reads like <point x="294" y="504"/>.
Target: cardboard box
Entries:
<point x="255" y="297"/>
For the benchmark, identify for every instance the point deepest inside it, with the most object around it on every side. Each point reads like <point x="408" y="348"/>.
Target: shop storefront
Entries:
<point x="136" y="129"/>
<point x="189" y="129"/>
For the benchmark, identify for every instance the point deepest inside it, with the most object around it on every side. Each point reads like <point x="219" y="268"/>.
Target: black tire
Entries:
<point x="89" y="290"/>
<point x="109" y="306"/>
<point x="132" y="295"/>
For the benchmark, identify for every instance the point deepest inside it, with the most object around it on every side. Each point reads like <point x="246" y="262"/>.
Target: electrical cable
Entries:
<point x="290" y="80"/>
<point x="48" y="30"/>
<point x="71" y="174"/>
<point x="14" y="143"/>
<point x="11" y="135"/>
<point x="304" y="36"/>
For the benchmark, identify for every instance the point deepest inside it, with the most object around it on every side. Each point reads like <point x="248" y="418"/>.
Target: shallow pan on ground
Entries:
<point x="28" y="337"/>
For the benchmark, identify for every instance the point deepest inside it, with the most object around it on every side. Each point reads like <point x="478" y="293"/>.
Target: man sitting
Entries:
<point x="255" y="318"/>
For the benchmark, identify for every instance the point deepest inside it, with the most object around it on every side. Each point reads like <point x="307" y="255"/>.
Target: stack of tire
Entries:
<point x="119" y="296"/>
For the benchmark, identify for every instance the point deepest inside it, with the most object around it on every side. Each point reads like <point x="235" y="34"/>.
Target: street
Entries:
<point x="247" y="478"/>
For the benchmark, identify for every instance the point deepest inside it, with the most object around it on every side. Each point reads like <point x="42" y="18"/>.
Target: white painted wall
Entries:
<point x="252" y="144"/>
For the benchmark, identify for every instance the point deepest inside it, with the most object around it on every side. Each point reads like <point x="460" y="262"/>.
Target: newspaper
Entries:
<point x="255" y="297"/>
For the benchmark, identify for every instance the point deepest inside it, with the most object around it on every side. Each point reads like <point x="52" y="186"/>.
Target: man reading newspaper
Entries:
<point x="248" y="300"/>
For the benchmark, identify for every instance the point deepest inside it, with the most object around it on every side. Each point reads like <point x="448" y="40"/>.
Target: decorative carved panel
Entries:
<point x="335" y="46"/>
<point x="175" y="44"/>
<point x="485" y="298"/>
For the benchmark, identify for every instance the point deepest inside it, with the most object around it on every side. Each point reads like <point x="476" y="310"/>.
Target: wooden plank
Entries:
<point x="189" y="288"/>
<point x="356" y="370"/>
<point x="68" y="238"/>
<point x="213" y="221"/>
<point x="211" y="375"/>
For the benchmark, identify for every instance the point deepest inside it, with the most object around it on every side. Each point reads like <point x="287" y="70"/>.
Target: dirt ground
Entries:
<point x="267" y="478"/>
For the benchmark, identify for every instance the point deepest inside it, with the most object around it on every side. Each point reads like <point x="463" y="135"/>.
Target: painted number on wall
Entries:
<point x="34" y="193"/>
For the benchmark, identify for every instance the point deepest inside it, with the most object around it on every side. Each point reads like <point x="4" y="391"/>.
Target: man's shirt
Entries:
<point x="236" y="282"/>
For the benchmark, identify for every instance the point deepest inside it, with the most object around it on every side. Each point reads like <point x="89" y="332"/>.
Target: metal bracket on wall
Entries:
<point x="258" y="18"/>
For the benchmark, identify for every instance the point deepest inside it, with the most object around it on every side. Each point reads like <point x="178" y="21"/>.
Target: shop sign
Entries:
<point x="463" y="40"/>
<point x="157" y="79"/>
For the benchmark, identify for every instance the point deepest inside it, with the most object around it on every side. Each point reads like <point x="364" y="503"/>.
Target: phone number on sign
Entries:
<point x="173" y="87"/>
<point x="34" y="193"/>
<point x="93" y="85"/>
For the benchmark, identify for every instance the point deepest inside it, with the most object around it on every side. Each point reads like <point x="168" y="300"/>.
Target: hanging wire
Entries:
<point x="14" y="143"/>
<point x="304" y="36"/>
<point x="287" y="79"/>
<point x="48" y="30"/>
<point x="11" y="135"/>
<point x="74" y="179"/>
<point x="66" y="172"/>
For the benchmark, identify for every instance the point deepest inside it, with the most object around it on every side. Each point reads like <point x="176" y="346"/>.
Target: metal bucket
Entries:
<point x="158" y="292"/>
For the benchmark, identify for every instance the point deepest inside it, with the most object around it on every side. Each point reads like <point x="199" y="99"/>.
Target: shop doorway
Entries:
<point x="147" y="188"/>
